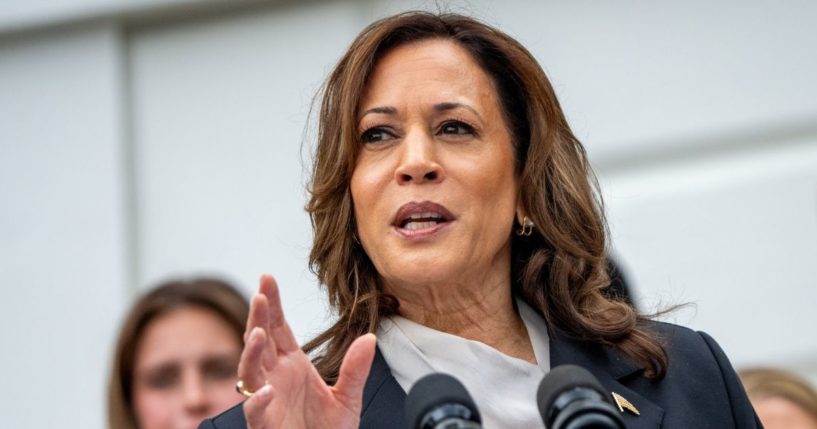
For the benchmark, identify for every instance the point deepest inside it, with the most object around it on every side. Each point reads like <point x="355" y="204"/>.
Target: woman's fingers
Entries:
<point x="258" y="316"/>
<point x="250" y="369"/>
<point x="255" y="408"/>
<point x="355" y="370"/>
<point x="278" y="327"/>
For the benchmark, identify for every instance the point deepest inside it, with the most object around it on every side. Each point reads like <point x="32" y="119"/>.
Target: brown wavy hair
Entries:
<point x="560" y="270"/>
<point x="208" y="293"/>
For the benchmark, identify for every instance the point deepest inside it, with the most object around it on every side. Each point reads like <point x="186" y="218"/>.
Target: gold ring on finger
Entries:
<point x="239" y="387"/>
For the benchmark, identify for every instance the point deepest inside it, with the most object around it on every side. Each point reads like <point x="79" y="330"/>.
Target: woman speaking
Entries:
<point x="456" y="217"/>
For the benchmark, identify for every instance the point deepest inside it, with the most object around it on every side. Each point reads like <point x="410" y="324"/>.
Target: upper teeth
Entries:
<point x="422" y="220"/>
<point x="419" y="225"/>
<point x="426" y="216"/>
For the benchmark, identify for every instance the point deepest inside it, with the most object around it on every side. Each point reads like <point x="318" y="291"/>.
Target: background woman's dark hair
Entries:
<point x="211" y="294"/>
<point x="561" y="269"/>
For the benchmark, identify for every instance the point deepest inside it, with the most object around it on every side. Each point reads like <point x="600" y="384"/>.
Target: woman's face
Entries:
<point x="185" y="369"/>
<point x="434" y="187"/>
<point x="780" y="413"/>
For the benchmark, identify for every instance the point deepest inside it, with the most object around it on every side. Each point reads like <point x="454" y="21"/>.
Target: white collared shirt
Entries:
<point x="503" y="387"/>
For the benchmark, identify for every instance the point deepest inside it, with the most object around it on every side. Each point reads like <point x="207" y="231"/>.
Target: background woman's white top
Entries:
<point x="503" y="387"/>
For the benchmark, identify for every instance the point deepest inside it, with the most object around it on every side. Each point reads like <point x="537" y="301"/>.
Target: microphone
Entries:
<point x="440" y="401"/>
<point x="569" y="397"/>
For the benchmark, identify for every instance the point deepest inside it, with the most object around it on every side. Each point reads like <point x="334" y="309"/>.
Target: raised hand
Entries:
<point x="289" y="392"/>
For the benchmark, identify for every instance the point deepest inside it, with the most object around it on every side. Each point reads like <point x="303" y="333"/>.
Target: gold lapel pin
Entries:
<point x="624" y="404"/>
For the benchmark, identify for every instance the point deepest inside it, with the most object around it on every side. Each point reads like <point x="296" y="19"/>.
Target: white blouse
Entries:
<point x="503" y="387"/>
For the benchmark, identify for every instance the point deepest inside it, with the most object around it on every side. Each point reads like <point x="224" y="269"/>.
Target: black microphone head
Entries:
<point x="561" y="378"/>
<point x="570" y="391"/>
<point x="442" y="395"/>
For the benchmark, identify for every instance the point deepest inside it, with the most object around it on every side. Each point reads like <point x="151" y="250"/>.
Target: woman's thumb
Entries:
<point x="355" y="370"/>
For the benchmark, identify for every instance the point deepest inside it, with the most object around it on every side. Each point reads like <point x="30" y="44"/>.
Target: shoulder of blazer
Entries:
<point x="699" y="364"/>
<point x="700" y="389"/>
<point x="742" y="410"/>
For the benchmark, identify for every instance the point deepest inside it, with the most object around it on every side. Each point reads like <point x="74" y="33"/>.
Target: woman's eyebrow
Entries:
<point x="439" y="107"/>
<point x="161" y="369"/>
<point x="384" y="110"/>
<point x="220" y="358"/>
<point x="446" y="106"/>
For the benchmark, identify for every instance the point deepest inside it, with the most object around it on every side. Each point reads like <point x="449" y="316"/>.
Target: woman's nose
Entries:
<point x="195" y="395"/>
<point x="418" y="162"/>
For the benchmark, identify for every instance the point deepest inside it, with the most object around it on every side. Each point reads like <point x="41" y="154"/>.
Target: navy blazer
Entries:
<point x="701" y="390"/>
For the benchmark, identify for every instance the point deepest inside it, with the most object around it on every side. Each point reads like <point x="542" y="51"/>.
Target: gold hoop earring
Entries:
<point x="527" y="227"/>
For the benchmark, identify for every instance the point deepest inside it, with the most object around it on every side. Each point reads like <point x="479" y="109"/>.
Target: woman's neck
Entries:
<point x="483" y="313"/>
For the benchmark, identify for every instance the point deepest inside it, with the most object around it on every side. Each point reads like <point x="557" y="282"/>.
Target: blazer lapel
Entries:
<point x="612" y="369"/>
<point x="383" y="398"/>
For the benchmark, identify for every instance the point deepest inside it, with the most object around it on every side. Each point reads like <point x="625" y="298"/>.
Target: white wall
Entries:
<point x="62" y="232"/>
<point x="219" y="111"/>
<point x="735" y="236"/>
<point x="699" y="117"/>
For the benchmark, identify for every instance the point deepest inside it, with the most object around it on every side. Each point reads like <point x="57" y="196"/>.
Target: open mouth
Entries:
<point x="422" y="221"/>
<point x="420" y="216"/>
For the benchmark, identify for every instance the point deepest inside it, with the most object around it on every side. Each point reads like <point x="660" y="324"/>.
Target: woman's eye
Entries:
<point x="376" y="134"/>
<point x="456" y="128"/>
<point x="219" y="369"/>
<point x="161" y="380"/>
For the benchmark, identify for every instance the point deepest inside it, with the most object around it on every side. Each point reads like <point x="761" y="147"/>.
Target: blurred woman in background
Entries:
<point x="781" y="399"/>
<point x="176" y="357"/>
